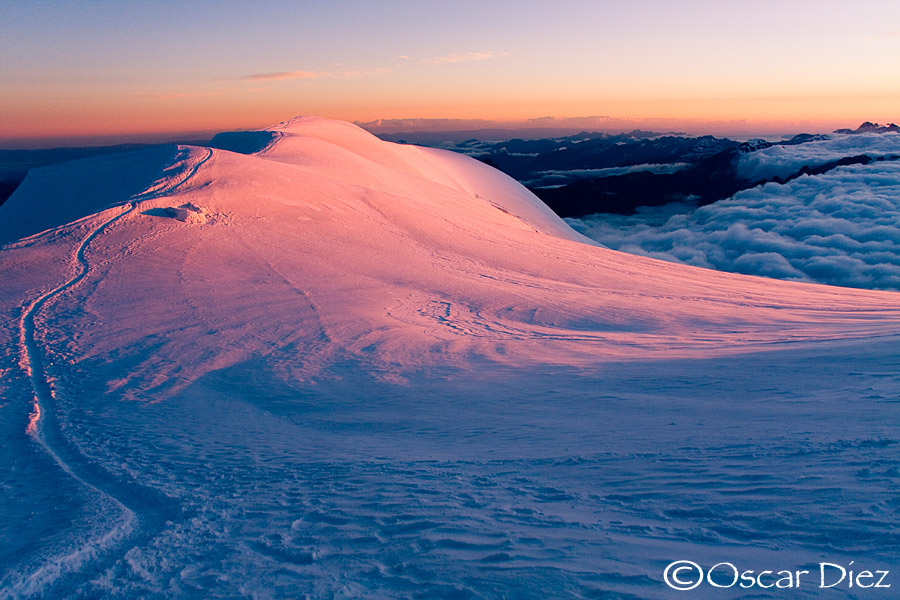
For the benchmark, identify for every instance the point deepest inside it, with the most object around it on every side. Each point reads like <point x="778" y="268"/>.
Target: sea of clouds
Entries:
<point x="557" y="178"/>
<point x="783" y="161"/>
<point x="840" y="228"/>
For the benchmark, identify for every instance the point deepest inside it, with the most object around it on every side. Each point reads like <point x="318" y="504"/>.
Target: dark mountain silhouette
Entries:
<point x="869" y="127"/>
<point x="665" y="169"/>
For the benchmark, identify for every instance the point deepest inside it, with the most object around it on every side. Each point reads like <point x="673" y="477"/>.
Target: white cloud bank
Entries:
<point x="547" y="178"/>
<point x="840" y="228"/>
<point x="782" y="161"/>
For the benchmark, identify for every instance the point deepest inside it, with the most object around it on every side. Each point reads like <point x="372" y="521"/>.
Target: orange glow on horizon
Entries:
<point x="146" y="116"/>
<point x="174" y="68"/>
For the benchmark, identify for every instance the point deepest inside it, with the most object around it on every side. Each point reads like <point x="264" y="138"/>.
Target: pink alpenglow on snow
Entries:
<point x="335" y="243"/>
<point x="345" y="367"/>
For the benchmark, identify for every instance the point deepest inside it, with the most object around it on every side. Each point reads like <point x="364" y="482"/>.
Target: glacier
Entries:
<point x="339" y="367"/>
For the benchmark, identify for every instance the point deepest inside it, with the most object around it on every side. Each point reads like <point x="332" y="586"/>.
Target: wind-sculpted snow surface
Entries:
<point x="345" y="368"/>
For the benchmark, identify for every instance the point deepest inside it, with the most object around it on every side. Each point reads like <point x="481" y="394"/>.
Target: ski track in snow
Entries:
<point x="143" y="510"/>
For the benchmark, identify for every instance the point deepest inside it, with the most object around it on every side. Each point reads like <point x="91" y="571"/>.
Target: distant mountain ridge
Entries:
<point x="869" y="127"/>
<point x="576" y="174"/>
<point x="589" y="173"/>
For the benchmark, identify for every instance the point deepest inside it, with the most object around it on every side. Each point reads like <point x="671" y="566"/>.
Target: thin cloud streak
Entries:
<point x="283" y="75"/>
<point x="336" y="74"/>
<point x="355" y="73"/>
<point x="458" y="57"/>
<point x="179" y="95"/>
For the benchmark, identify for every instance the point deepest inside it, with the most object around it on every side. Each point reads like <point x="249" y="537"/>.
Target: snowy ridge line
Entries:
<point x="171" y="186"/>
<point x="275" y="139"/>
<point x="141" y="508"/>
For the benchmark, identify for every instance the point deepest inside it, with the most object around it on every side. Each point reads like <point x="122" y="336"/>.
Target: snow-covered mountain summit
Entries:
<point x="340" y="367"/>
<point x="337" y="245"/>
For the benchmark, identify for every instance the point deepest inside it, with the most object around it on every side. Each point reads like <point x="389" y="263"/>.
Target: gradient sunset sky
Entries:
<point x="104" y="68"/>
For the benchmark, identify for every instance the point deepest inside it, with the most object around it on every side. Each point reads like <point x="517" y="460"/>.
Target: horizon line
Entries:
<point x="437" y="125"/>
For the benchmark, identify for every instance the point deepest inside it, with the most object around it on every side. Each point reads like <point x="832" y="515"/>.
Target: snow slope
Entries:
<point x="348" y="368"/>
